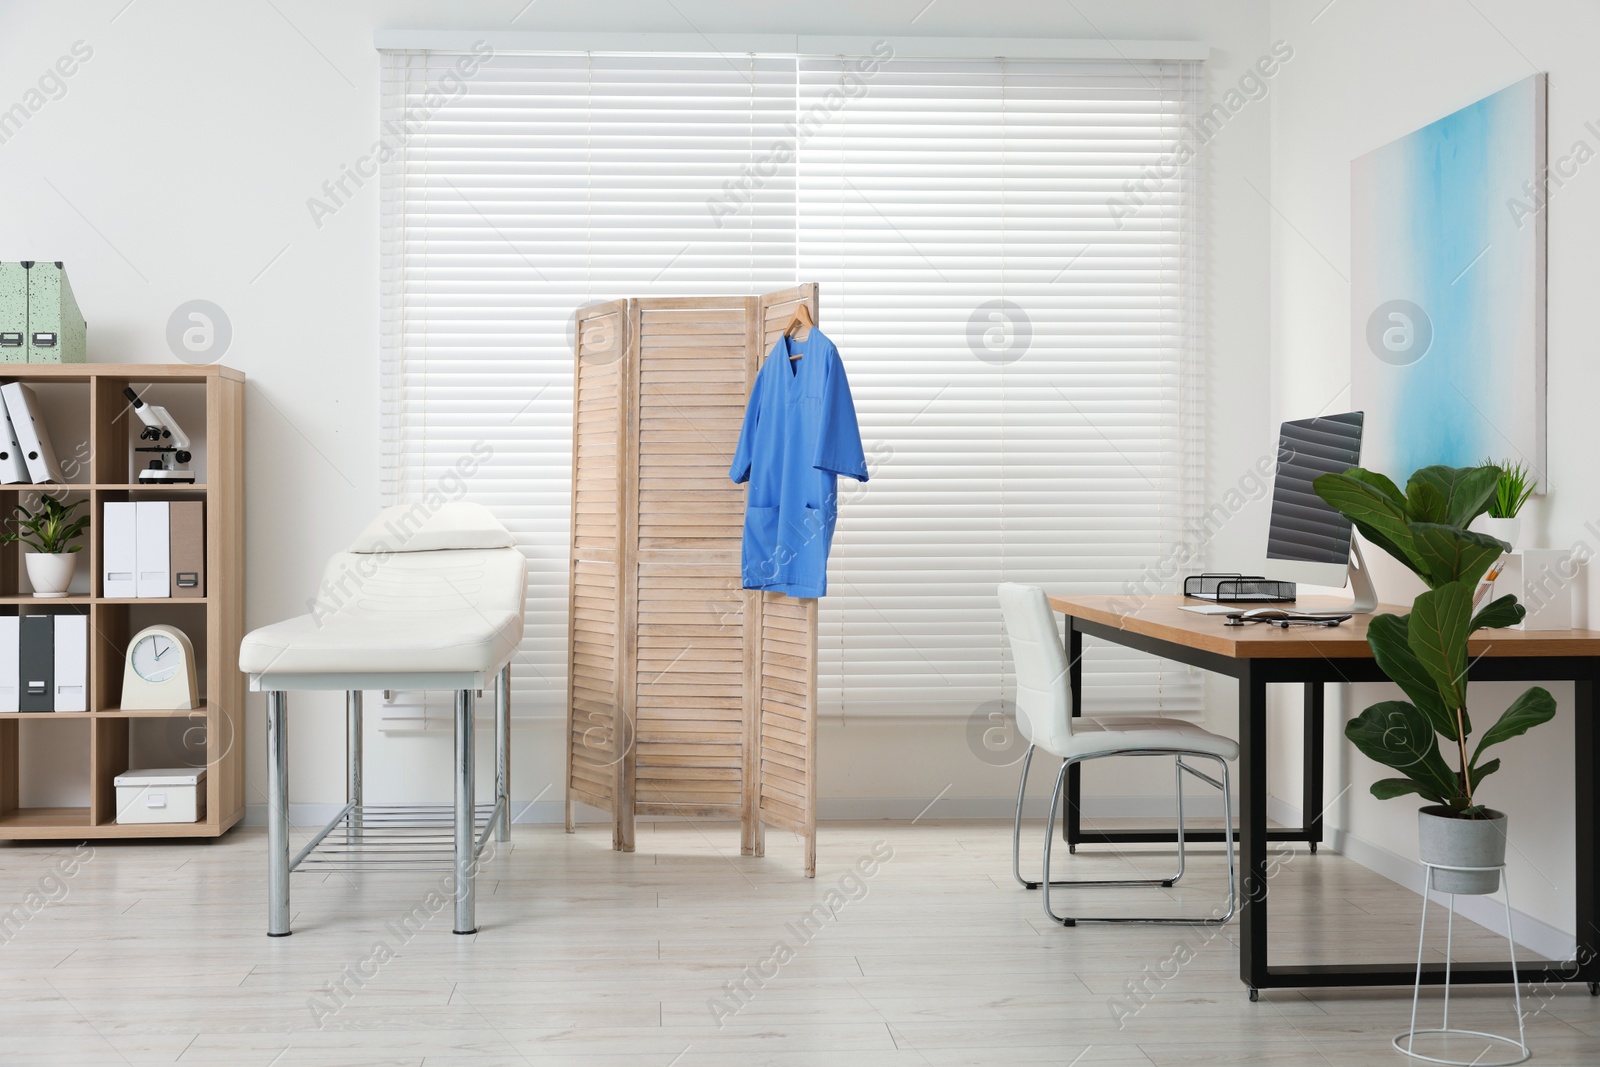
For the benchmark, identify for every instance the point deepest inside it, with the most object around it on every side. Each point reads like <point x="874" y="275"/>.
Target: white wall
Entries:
<point x="177" y="166"/>
<point x="1366" y="73"/>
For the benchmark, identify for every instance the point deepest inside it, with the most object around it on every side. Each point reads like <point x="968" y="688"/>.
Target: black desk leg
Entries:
<point x="1253" y="829"/>
<point x="1586" y="764"/>
<point x="1072" y="818"/>
<point x="1311" y="801"/>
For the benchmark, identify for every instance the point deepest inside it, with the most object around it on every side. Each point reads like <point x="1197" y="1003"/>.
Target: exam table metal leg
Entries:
<point x="352" y="788"/>
<point x="502" y="752"/>
<point x="277" y="817"/>
<point x="465" y="862"/>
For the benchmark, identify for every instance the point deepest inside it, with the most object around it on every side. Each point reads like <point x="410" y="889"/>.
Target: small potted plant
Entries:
<point x="1515" y="486"/>
<point x="1425" y="654"/>
<point x="49" y="531"/>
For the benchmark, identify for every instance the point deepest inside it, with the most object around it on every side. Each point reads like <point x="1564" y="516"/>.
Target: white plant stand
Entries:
<point x="1409" y="1037"/>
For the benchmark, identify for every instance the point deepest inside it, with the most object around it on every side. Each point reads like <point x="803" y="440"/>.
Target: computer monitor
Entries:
<point x="1309" y="541"/>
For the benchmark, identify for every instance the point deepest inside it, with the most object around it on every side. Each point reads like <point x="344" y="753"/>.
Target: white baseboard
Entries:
<point x="1489" y="912"/>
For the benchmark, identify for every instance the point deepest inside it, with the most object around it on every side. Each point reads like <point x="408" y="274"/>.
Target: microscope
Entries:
<point x="167" y="441"/>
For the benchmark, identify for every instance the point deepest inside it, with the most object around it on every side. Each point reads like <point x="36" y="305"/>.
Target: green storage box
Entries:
<point x="13" y="313"/>
<point x="56" y="330"/>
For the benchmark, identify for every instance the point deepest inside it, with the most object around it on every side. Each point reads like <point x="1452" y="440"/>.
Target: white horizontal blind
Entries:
<point x="1018" y="358"/>
<point x="547" y="183"/>
<point x="919" y="190"/>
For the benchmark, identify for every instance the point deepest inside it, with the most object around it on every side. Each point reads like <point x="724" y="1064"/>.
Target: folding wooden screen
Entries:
<point x="687" y="695"/>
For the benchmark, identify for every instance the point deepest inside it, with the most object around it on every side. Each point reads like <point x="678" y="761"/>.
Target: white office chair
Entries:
<point x="1044" y="716"/>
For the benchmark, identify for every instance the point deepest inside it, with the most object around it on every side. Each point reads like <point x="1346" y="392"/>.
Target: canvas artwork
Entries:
<point x="1447" y="288"/>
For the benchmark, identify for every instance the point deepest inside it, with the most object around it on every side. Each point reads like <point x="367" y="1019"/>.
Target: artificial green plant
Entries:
<point x="1512" y="489"/>
<point x="48" y="530"/>
<point x="1425" y="652"/>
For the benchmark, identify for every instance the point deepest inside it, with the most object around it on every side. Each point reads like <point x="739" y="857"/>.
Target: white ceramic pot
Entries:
<point x="51" y="574"/>
<point x="1507" y="530"/>
<point x="1452" y="842"/>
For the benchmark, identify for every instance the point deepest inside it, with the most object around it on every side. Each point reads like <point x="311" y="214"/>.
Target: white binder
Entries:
<point x="9" y="637"/>
<point x="119" y="556"/>
<point x="23" y="407"/>
<point x="153" y="552"/>
<point x="72" y="663"/>
<point x="12" y="467"/>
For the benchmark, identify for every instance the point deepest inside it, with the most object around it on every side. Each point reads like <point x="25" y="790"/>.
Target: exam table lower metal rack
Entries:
<point x="368" y="838"/>
<point x="363" y="838"/>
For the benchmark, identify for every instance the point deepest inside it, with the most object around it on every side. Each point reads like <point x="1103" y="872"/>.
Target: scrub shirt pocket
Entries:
<point x="761" y="542"/>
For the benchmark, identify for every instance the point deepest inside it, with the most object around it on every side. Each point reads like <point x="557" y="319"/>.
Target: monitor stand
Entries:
<point x="1365" y="600"/>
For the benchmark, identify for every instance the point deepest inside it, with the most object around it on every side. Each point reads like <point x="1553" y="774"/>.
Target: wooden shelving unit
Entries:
<point x="93" y="431"/>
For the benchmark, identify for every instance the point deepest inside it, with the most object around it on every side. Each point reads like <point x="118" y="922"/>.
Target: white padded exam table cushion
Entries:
<point x="413" y="528"/>
<point x="398" y="609"/>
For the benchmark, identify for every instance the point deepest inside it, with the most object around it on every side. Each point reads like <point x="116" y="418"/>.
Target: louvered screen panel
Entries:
<point x="786" y="719"/>
<point x="693" y="383"/>
<point x="788" y="715"/>
<point x="690" y="702"/>
<point x="594" y="744"/>
<point x="694" y="378"/>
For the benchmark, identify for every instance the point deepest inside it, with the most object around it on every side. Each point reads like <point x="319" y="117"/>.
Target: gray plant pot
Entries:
<point x="1442" y="838"/>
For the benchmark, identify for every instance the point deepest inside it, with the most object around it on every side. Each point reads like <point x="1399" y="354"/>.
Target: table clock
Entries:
<point x="159" y="674"/>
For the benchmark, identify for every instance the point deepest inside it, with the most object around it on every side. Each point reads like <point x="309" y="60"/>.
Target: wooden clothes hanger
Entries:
<point x="801" y="317"/>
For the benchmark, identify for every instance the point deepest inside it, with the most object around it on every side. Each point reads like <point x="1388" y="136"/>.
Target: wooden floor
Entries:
<point x="155" y="953"/>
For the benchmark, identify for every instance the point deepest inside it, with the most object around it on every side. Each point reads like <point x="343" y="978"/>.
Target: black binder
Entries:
<point x="36" y="664"/>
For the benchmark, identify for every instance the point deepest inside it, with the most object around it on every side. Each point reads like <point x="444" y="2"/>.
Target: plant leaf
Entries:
<point x="1389" y="788"/>
<point x="1499" y="612"/>
<point x="1425" y="502"/>
<point x="1478" y="774"/>
<point x="1405" y="556"/>
<point x="1437" y="632"/>
<point x="1395" y="734"/>
<point x="1374" y="513"/>
<point x="1466" y="490"/>
<point x="1386" y="634"/>
<point x="1452" y="554"/>
<point x="1381" y="483"/>
<point x="1533" y="707"/>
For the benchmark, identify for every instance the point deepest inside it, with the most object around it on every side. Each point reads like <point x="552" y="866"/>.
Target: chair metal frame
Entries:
<point x="1179" y="769"/>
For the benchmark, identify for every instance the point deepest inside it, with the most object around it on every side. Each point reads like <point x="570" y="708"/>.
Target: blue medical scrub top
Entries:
<point x="799" y="433"/>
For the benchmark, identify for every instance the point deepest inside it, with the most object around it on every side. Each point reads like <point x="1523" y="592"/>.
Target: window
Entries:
<point x="1008" y="257"/>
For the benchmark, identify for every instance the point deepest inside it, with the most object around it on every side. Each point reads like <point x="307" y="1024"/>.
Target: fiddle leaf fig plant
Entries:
<point x="1425" y="652"/>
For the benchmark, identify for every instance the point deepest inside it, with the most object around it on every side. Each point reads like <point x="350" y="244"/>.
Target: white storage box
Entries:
<point x="1542" y="579"/>
<point x="163" y="794"/>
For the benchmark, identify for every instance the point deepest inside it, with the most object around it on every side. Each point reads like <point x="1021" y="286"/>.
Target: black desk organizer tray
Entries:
<point x="1238" y="589"/>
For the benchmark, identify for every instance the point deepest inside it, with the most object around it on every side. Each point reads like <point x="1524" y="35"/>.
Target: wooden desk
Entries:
<point x="1259" y="656"/>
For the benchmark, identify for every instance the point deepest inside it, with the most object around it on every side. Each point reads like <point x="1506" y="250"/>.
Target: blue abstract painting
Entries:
<point x="1447" y="288"/>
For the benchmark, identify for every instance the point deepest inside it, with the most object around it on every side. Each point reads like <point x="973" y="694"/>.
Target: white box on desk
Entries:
<point x="1542" y="581"/>
<point x="162" y="794"/>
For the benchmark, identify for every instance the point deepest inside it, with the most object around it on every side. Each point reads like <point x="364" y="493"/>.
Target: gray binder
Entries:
<point x="36" y="664"/>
